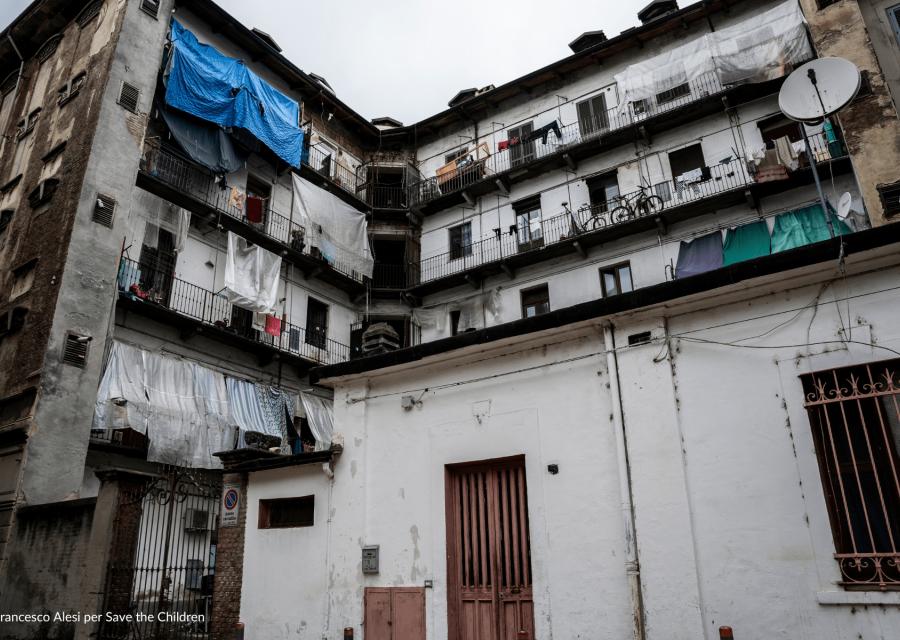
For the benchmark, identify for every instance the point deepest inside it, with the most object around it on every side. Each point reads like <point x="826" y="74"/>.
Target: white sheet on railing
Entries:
<point x="260" y="408"/>
<point x="251" y="275"/>
<point x="760" y="48"/>
<point x="320" y="417"/>
<point x="338" y="230"/>
<point x="187" y="411"/>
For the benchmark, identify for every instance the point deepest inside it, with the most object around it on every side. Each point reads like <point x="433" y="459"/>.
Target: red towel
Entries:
<point x="503" y="145"/>
<point x="254" y="209"/>
<point x="273" y="325"/>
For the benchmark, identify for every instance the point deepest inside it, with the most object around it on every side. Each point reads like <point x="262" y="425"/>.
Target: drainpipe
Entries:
<point x="632" y="566"/>
<point x="21" y="60"/>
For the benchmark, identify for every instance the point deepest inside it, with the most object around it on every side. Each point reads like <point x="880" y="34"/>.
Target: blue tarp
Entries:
<point x="204" y="142"/>
<point x="214" y="87"/>
<point x="699" y="255"/>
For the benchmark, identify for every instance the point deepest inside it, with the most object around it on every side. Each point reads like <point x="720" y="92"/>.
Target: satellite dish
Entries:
<point x="844" y="206"/>
<point x="819" y="89"/>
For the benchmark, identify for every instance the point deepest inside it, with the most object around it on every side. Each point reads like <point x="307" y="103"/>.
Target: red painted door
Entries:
<point x="394" y="613"/>
<point x="489" y="552"/>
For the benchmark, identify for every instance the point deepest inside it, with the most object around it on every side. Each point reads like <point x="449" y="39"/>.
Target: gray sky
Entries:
<point x="407" y="58"/>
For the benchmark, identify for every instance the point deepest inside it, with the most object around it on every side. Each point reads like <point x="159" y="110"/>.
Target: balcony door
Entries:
<point x="316" y="323"/>
<point x="489" y="552"/>
<point x="157" y="263"/>
<point x="521" y="150"/>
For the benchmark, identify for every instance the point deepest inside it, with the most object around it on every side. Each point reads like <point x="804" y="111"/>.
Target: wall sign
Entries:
<point x="231" y="504"/>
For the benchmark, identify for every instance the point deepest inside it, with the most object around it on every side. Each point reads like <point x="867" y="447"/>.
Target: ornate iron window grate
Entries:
<point x="855" y="417"/>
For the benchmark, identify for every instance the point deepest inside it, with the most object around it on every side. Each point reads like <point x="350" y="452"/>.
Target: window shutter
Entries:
<point x="103" y="210"/>
<point x="598" y="105"/>
<point x="890" y="198"/>
<point x="75" y="350"/>
<point x="128" y="97"/>
<point x="150" y="6"/>
<point x="585" y="119"/>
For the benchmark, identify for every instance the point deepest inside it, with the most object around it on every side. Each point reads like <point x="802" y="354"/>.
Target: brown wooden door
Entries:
<point x="489" y="552"/>
<point x="394" y="613"/>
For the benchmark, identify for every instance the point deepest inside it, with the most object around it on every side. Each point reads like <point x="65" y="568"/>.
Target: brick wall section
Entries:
<point x="45" y="563"/>
<point x="226" y="606"/>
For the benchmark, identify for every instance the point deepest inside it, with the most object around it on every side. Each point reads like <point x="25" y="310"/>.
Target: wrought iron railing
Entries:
<point x="389" y="276"/>
<point x="152" y="286"/>
<point x="567" y="225"/>
<point x="195" y="181"/>
<point x="524" y="153"/>
<point x="324" y="163"/>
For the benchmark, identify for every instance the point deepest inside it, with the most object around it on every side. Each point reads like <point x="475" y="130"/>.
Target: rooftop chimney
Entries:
<point x="657" y="9"/>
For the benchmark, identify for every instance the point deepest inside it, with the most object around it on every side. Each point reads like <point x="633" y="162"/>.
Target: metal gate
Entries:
<point x="163" y="557"/>
<point x="489" y="552"/>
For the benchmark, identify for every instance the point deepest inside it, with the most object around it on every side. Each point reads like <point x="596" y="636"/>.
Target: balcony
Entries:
<point x="194" y="309"/>
<point x="168" y="175"/>
<point x="390" y="277"/>
<point x="568" y="232"/>
<point x="475" y="176"/>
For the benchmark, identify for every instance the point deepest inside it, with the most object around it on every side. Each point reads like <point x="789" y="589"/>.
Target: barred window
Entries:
<point x="854" y="413"/>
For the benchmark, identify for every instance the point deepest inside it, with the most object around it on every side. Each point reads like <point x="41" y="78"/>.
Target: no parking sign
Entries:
<point x="231" y="504"/>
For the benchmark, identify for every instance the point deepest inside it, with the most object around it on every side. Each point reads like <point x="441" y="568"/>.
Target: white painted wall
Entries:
<point x="731" y="521"/>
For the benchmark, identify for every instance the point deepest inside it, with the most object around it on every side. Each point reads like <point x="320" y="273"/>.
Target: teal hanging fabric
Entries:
<point x="747" y="242"/>
<point x="805" y="226"/>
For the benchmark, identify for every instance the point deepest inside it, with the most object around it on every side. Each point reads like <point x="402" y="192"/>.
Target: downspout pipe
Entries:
<point x="632" y="565"/>
<point x="21" y="61"/>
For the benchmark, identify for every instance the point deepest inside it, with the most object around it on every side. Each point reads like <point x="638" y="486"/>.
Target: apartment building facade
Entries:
<point x="630" y="336"/>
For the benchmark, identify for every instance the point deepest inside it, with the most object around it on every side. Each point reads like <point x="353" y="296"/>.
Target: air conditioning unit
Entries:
<point x="196" y="520"/>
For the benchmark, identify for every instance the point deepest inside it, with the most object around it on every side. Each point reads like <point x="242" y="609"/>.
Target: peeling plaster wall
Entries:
<point x="870" y="124"/>
<point x="58" y="444"/>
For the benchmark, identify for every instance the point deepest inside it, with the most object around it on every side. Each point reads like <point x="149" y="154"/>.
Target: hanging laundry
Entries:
<point x="254" y="209"/>
<point x="251" y="275"/>
<point x="544" y="131"/>
<point x="503" y="145"/>
<point x="785" y="153"/>
<point x="273" y="325"/>
<point x="236" y="199"/>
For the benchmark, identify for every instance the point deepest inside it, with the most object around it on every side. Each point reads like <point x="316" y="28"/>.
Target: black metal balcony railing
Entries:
<point x="195" y="181"/>
<point x="389" y="276"/>
<point x="526" y="152"/>
<point x="208" y="308"/>
<point x="516" y="239"/>
<point x="327" y="165"/>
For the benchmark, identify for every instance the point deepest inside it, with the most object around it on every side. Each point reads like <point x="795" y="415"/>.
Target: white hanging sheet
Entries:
<point x="176" y="403"/>
<point x="761" y="48"/>
<point x="320" y="417"/>
<point x="251" y="275"/>
<point x="336" y="228"/>
<point x="259" y="408"/>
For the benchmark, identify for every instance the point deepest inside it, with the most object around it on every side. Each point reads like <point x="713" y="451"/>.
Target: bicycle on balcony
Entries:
<point x="637" y="205"/>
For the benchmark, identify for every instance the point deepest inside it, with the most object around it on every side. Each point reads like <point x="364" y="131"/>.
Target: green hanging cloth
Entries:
<point x="805" y="226"/>
<point x="747" y="242"/>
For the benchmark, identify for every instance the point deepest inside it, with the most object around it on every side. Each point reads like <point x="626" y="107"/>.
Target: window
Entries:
<point x="529" y="232"/>
<point x="12" y="321"/>
<point x="17" y="407"/>
<point x="686" y="160"/>
<point x="455" y="155"/>
<point x="43" y="192"/>
<point x="894" y="18"/>
<point x="27" y="123"/>
<point x="454" y="322"/>
<point x="284" y="513"/>
<point x="23" y="278"/>
<point x="535" y="301"/>
<point x="616" y="279"/>
<point x="669" y="95"/>
<point x="48" y="48"/>
<point x="779" y="127"/>
<point x="89" y="13"/>
<point x="826" y="3"/>
<point x="461" y="241"/>
<point x="521" y="149"/>
<point x="603" y="190"/>
<point x="890" y="198"/>
<point x="316" y="323"/>
<point x="854" y="413"/>
<point x="5" y="218"/>
<point x="641" y="107"/>
<point x="592" y="115"/>
<point x="128" y="97"/>
<point x="150" y="7"/>
<point x="71" y="88"/>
